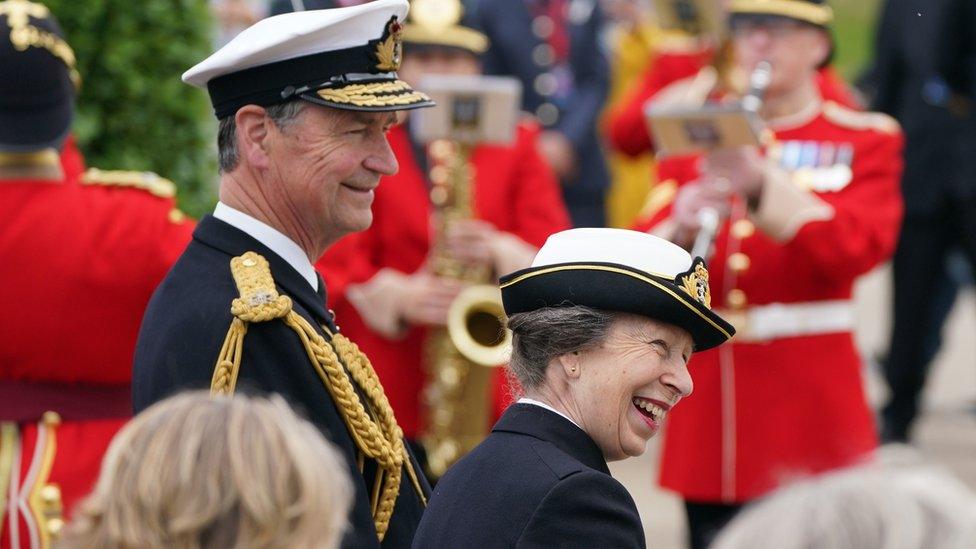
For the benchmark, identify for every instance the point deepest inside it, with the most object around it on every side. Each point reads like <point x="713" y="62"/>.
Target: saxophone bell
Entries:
<point x="476" y="326"/>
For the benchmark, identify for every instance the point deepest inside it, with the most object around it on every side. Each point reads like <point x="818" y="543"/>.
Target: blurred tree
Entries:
<point x="134" y="112"/>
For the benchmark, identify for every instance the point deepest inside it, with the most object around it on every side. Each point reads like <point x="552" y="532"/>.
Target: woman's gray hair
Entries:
<point x="283" y="115"/>
<point x="900" y="502"/>
<point x="543" y="334"/>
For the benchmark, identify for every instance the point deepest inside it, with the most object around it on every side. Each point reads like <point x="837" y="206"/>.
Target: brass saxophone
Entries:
<point x="459" y="358"/>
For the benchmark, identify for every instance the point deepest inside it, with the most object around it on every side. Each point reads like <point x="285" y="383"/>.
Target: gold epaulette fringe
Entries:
<point x="147" y="181"/>
<point x="378" y="438"/>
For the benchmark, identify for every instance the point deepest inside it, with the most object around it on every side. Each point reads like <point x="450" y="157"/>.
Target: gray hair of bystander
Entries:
<point x="896" y="502"/>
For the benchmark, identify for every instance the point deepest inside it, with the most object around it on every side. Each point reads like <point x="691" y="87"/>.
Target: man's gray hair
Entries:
<point x="541" y="335"/>
<point x="283" y="115"/>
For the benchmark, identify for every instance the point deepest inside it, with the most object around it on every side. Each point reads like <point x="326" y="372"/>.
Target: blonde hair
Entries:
<point x="232" y="471"/>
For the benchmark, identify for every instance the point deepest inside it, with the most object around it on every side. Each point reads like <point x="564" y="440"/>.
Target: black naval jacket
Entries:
<point x="185" y="325"/>
<point x="536" y="481"/>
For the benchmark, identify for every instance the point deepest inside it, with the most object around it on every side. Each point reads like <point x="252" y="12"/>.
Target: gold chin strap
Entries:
<point x="381" y="438"/>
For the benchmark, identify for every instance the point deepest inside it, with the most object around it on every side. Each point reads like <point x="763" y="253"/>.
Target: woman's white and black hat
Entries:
<point x="619" y="270"/>
<point x="345" y="58"/>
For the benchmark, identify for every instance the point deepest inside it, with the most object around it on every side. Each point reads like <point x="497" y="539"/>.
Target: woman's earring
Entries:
<point x="573" y="369"/>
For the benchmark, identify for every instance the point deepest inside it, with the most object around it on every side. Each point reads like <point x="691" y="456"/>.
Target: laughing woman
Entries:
<point x="604" y="322"/>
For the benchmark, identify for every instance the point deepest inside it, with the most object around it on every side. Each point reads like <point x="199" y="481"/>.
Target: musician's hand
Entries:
<point x="469" y="241"/>
<point x="690" y="201"/>
<point x="429" y="299"/>
<point x="557" y="151"/>
<point x="743" y="168"/>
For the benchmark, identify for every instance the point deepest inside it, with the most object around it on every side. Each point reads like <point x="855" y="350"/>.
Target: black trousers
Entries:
<point x="705" y="520"/>
<point x="922" y="297"/>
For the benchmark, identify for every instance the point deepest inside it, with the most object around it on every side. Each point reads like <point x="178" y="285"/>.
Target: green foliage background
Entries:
<point x="854" y="30"/>
<point x="134" y="112"/>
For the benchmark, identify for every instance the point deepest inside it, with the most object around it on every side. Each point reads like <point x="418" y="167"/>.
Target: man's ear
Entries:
<point x="253" y="131"/>
<point x="571" y="363"/>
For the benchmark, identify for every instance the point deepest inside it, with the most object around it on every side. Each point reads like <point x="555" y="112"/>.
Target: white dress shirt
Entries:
<point x="275" y="240"/>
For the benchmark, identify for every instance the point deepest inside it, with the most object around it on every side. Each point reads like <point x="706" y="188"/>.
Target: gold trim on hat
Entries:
<point x="438" y="23"/>
<point x="374" y="94"/>
<point x="651" y="281"/>
<point x="818" y="14"/>
<point x="24" y="35"/>
<point x="454" y="36"/>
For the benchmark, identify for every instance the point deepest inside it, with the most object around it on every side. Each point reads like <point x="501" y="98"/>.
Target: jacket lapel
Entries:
<point x="536" y="421"/>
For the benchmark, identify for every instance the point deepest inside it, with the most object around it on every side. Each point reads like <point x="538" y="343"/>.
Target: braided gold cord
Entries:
<point x="229" y="360"/>
<point x="380" y="439"/>
<point x="372" y="438"/>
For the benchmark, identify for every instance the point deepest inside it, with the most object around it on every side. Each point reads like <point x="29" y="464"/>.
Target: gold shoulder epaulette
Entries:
<point x="860" y="120"/>
<point x="259" y="301"/>
<point x="147" y="181"/>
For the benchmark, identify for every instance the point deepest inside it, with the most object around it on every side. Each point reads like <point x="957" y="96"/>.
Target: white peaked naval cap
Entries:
<point x="345" y="58"/>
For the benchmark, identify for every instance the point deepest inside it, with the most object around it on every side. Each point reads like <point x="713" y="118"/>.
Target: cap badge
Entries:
<point x="388" y="49"/>
<point x="695" y="283"/>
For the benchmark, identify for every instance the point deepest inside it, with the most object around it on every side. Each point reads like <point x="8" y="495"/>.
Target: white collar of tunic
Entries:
<point x="526" y="400"/>
<point x="274" y="239"/>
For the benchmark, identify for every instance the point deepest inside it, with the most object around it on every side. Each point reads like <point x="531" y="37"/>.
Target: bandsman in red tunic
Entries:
<point x="380" y="281"/>
<point x="676" y="60"/>
<point x="80" y="254"/>
<point x="802" y="218"/>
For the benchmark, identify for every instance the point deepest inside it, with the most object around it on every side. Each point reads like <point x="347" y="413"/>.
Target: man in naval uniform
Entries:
<point x="304" y="102"/>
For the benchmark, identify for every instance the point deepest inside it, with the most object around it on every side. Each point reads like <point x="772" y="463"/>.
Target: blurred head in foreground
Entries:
<point x="897" y="503"/>
<point x="195" y="472"/>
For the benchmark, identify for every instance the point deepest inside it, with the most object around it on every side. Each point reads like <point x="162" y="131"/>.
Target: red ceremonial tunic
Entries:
<point x="79" y="259"/>
<point x="514" y="190"/>
<point x="627" y="128"/>
<point x="767" y="408"/>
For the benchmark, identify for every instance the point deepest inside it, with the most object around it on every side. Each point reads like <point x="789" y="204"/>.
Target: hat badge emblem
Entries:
<point x="388" y="51"/>
<point x="695" y="283"/>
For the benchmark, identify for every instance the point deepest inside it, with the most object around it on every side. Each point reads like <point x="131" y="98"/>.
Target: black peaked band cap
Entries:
<point x="616" y="287"/>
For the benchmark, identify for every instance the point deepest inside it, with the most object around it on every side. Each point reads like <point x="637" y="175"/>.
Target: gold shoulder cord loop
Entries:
<point x="259" y="302"/>
<point x="9" y="441"/>
<point x="44" y="499"/>
<point x="380" y="439"/>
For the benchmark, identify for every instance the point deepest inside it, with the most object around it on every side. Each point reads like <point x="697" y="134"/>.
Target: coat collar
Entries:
<point x="536" y="421"/>
<point x="234" y="242"/>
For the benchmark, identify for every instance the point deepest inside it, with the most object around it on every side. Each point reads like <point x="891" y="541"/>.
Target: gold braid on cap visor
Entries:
<point x="375" y="94"/>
